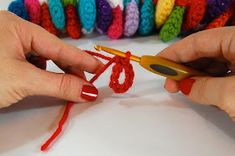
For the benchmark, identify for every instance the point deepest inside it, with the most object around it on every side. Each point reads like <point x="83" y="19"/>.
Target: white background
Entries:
<point x="146" y="121"/>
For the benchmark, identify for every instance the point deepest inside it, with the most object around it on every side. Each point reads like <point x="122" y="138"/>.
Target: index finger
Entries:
<point x="219" y="42"/>
<point x="49" y="46"/>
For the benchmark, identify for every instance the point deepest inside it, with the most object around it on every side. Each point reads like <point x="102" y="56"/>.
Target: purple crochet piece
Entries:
<point x="216" y="8"/>
<point x="131" y="19"/>
<point x="104" y="16"/>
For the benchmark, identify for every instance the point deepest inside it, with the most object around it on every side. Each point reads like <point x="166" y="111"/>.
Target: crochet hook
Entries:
<point x="157" y="65"/>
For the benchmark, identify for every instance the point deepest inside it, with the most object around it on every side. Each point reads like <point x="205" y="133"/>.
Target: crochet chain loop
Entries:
<point x="120" y="64"/>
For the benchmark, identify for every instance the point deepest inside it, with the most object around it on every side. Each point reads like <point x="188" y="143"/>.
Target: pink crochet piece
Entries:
<point x="115" y="31"/>
<point x="34" y="10"/>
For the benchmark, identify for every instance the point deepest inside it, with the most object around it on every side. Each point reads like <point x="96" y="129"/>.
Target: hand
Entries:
<point x="20" y="79"/>
<point x="217" y="46"/>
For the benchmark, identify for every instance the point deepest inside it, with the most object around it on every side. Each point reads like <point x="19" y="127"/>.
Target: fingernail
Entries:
<point x="185" y="86"/>
<point x="89" y="93"/>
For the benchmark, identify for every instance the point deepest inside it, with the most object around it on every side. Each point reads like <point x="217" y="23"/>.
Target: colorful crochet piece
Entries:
<point x="120" y="64"/>
<point x="131" y="18"/>
<point x="57" y="13"/>
<point x="87" y="14"/>
<point x="18" y="7"/>
<point x="163" y="10"/>
<point x="146" y="24"/>
<point x="118" y="18"/>
<point x="104" y="16"/>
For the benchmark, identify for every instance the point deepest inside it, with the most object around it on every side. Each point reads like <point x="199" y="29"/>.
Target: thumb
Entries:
<point x="211" y="91"/>
<point x="64" y="86"/>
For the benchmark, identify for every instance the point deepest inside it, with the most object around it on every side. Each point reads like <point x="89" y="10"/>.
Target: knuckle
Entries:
<point x="65" y="86"/>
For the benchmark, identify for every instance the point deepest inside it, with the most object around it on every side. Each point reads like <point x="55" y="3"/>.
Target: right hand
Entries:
<point x="214" y="44"/>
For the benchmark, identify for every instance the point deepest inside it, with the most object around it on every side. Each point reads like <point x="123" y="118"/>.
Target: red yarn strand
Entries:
<point x="120" y="64"/>
<point x="60" y="126"/>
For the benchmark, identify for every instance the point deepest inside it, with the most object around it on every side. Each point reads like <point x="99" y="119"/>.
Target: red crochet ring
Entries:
<point x="120" y="64"/>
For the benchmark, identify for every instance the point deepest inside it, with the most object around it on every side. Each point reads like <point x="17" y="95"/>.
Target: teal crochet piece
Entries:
<point x="125" y="2"/>
<point x="87" y="13"/>
<point x="172" y="28"/>
<point x="147" y="23"/>
<point x="57" y="13"/>
<point x="66" y="2"/>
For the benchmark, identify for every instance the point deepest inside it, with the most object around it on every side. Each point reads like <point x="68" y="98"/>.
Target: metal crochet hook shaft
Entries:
<point x="157" y="65"/>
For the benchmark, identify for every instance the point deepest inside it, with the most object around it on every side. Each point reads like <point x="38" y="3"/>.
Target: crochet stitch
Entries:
<point x="87" y="14"/>
<point x="146" y="24"/>
<point x="163" y="10"/>
<point x="57" y="13"/>
<point x="104" y="16"/>
<point x="131" y="19"/>
<point x="17" y="7"/>
<point x="34" y="10"/>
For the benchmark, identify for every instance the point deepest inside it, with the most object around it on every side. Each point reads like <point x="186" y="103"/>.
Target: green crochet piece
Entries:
<point x="172" y="27"/>
<point x="66" y="2"/>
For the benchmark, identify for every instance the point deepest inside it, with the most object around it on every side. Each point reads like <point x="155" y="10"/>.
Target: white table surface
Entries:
<point x="146" y="121"/>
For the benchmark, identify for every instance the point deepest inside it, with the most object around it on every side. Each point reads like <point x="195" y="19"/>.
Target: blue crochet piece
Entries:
<point x="17" y="7"/>
<point x="104" y="16"/>
<point x="57" y="13"/>
<point x="146" y="25"/>
<point x="125" y="2"/>
<point x="87" y="14"/>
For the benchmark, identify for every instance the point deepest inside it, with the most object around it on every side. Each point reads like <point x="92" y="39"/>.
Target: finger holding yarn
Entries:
<point x="46" y="21"/>
<point x="57" y="13"/>
<point x="215" y="8"/>
<point x="18" y="8"/>
<point x="146" y="24"/>
<point x="104" y="16"/>
<point x="73" y="27"/>
<point x="34" y="10"/>
<point x="131" y="18"/>
<point x="115" y="30"/>
<point x="163" y="10"/>
<point x="87" y="14"/>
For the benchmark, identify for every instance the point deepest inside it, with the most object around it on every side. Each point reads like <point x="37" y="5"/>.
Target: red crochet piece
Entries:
<point x="120" y="64"/>
<point x="195" y="13"/>
<point x="72" y="25"/>
<point x="115" y="31"/>
<point x="46" y="21"/>
<point x="221" y="20"/>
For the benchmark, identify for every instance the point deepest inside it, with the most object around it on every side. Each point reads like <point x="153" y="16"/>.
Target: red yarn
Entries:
<point x="115" y="31"/>
<point x="72" y="23"/>
<point x="121" y="63"/>
<point x="46" y="21"/>
<point x="182" y="3"/>
<point x="195" y="13"/>
<point x="60" y="126"/>
<point x="221" y="20"/>
<point x="155" y="2"/>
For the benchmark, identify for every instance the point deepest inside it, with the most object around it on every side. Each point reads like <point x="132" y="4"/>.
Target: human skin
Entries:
<point x="214" y="44"/>
<point x="20" y="79"/>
